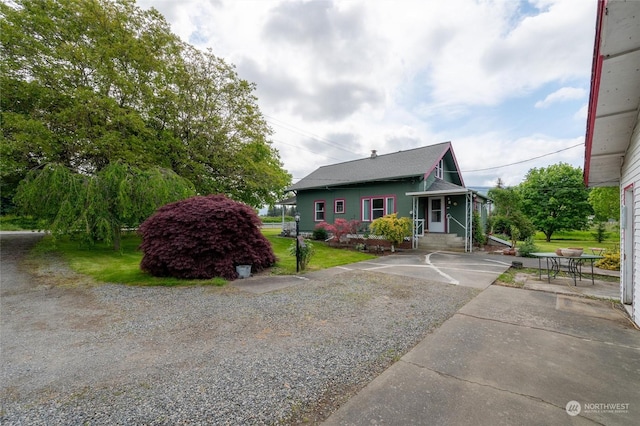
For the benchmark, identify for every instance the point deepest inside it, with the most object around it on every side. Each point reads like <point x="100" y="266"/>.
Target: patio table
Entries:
<point x="574" y="265"/>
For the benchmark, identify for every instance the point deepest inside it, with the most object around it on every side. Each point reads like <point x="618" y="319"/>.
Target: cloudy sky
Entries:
<point x="506" y="81"/>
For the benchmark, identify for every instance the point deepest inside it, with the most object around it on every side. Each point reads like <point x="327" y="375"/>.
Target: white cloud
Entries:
<point x="561" y="95"/>
<point x="582" y="113"/>
<point x="511" y="159"/>
<point x="383" y="75"/>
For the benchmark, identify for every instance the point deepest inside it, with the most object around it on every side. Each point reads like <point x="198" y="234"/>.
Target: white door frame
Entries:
<point x="628" y="246"/>
<point x="435" y="225"/>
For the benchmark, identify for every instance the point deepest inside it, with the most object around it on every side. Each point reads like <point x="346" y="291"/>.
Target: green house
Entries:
<point x="423" y="184"/>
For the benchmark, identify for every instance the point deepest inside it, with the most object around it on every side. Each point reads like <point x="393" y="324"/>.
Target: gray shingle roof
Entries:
<point x="440" y="185"/>
<point x="413" y="162"/>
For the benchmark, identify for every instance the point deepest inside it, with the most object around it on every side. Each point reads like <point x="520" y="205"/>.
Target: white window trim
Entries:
<point x="440" y="169"/>
<point x="382" y="209"/>
<point x="316" y="210"/>
<point x="388" y="206"/>
<point x="366" y="211"/>
<point x="389" y="201"/>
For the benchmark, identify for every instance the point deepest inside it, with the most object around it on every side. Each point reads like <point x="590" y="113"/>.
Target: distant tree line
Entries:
<point x="276" y="211"/>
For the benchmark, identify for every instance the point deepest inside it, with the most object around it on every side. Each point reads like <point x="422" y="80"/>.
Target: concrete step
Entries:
<point x="441" y="242"/>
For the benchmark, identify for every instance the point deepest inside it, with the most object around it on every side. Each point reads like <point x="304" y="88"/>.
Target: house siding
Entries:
<point x="450" y="173"/>
<point x="352" y="196"/>
<point x="455" y="206"/>
<point x="389" y="177"/>
<point x="426" y="183"/>
<point x="630" y="184"/>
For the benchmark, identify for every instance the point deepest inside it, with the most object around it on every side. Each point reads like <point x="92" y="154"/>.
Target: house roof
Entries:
<point x="615" y="91"/>
<point x="401" y="164"/>
<point x="290" y="201"/>
<point x="440" y="187"/>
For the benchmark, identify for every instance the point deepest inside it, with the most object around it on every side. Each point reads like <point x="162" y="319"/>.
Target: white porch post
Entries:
<point x="414" y="211"/>
<point x="468" y="240"/>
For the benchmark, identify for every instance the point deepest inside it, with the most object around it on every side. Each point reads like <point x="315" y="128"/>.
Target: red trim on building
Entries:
<point x="624" y="193"/>
<point x="596" y="75"/>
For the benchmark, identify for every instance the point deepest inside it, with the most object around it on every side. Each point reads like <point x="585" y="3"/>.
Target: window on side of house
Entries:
<point x="319" y="210"/>
<point x="339" y="206"/>
<point x="375" y="207"/>
<point x="440" y="169"/>
<point x="366" y="209"/>
<point x="391" y="205"/>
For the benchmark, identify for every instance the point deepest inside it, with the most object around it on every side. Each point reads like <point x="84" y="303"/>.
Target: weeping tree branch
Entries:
<point x="98" y="206"/>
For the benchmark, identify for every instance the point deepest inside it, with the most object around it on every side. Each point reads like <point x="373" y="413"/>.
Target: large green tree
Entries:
<point x="605" y="202"/>
<point x="555" y="198"/>
<point x="79" y="79"/>
<point x="87" y="83"/>
<point x="225" y="134"/>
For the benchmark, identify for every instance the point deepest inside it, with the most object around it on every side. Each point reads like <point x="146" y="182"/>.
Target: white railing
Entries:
<point x="449" y="217"/>
<point x="418" y="227"/>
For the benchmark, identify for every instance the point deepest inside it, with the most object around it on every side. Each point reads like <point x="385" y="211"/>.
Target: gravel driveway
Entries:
<point x="74" y="352"/>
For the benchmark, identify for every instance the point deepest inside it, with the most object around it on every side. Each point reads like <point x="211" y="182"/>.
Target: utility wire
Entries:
<point x="294" y="129"/>
<point x="306" y="149"/>
<point x="291" y="128"/>
<point x="523" y="161"/>
<point x="504" y="165"/>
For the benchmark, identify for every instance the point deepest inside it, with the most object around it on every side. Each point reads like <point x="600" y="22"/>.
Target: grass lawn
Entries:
<point x="104" y="264"/>
<point x="582" y="239"/>
<point x="324" y="257"/>
<point x="17" y="223"/>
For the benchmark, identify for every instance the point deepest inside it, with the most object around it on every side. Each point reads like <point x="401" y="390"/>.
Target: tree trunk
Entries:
<point x="117" y="237"/>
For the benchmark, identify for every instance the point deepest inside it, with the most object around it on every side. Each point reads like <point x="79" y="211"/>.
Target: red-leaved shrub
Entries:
<point x="340" y="229"/>
<point x="203" y="237"/>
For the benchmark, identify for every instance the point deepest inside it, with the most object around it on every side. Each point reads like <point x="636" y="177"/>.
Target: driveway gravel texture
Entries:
<point x="79" y="352"/>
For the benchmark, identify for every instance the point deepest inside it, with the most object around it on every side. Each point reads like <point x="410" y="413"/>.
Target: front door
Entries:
<point x="435" y="214"/>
